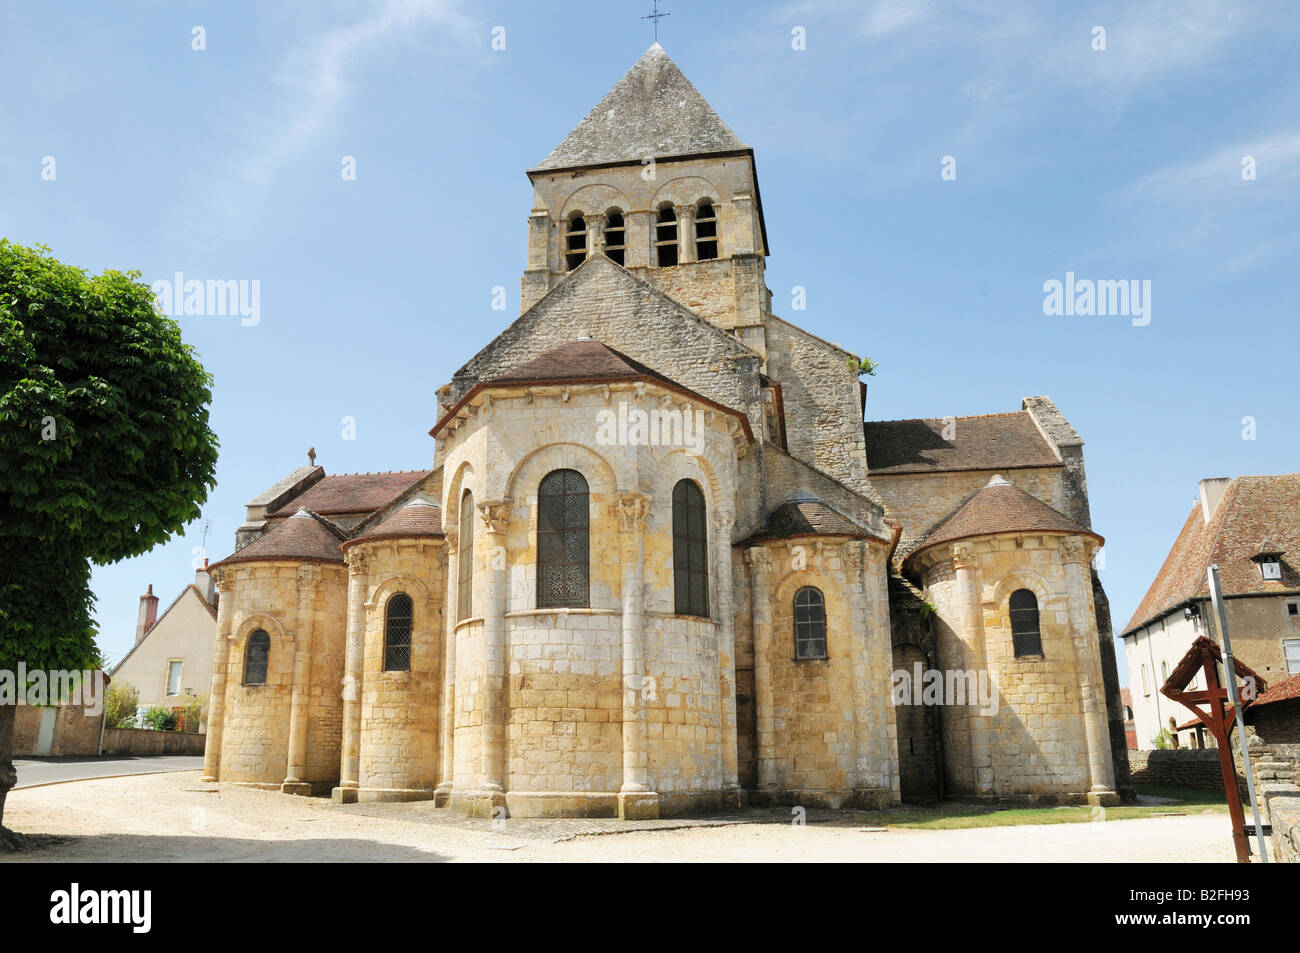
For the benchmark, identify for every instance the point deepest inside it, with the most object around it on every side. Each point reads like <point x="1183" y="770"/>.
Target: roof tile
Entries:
<point x="989" y="442"/>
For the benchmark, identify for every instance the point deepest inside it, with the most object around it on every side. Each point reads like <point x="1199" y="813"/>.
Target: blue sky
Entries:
<point x="1122" y="163"/>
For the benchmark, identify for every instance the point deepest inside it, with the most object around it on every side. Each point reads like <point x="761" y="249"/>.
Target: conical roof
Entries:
<point x="653" y="111"/>
<point x="303" y="536"/>
<point x="416" y="518"/>
<point x="1000" y="507"/>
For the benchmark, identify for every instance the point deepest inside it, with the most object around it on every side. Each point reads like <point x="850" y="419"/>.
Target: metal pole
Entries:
<point x="1216" y="594"/>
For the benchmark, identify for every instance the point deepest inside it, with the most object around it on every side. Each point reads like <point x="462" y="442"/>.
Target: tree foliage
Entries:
<point x="120" y="704"/>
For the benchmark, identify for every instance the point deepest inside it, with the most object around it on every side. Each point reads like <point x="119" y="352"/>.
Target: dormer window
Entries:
<point x="1270" y="565"/>
<point x="706" y="231"/>
<point x="575" y="242"/>
<point x="614" y="236"/>
<point x="666" y="237"/>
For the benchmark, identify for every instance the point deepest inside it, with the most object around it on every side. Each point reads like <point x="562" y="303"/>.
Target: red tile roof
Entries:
<point x="352" y="493"/>
<point x="305" y="537"/>
<point x="1000" y="507"/>
<point x="1253" y="511"/>
<point x="417" y="518"/>
<point x="1286" y="690"/>
<point x="988" y="442"/>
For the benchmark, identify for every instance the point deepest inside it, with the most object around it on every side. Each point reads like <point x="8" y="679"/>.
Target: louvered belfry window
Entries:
<point x="1025" y="635"/>
<point x="666" y="237"/>
<point x="615" y="232"/>
<point x="690" y="551"/>
<point x="809" y="624"/>
<point x="706" y="231"/>
<point x="397" y="633"/>
<point x="563" y="541"/>
<point x="257" y="654"/>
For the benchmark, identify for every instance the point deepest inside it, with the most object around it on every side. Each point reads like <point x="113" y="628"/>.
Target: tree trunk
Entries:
<point x="9" y="840"/>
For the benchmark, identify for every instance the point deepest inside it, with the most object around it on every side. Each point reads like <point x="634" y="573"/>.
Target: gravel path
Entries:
<point x="177" y="817"/>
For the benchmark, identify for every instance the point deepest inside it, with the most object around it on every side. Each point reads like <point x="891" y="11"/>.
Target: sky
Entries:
<point x="926" y="170"/>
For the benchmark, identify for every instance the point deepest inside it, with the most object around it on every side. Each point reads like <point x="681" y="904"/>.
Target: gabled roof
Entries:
<point x="347" y="493"/>
<point x="155" y="627"/>
<point x="1000" y="507"/>
<point x="417" y="518"/>
<point x="1254" y="511"/>
<point x="305" y="536"/>
<point x="1007" y="441"/>
<point x="653" y="111"/>
<point x="805" y="515"/>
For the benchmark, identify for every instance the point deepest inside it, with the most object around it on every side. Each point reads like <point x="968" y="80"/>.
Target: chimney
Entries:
<point x="204" y="584"/>
<point x="148" y="613"/>
<point x="1212" y="491"/>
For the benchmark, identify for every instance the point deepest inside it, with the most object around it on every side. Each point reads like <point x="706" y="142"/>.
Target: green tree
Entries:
<point x="160" y="719"/>
<point x="105" y="451"/>
<point x="120" y="705"/>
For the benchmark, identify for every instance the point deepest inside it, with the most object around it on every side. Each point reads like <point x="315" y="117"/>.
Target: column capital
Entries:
<point x="1074" y="549"/>
<point x="222" y="580"/>
<point x="759" y="559"/>
<point x="630" y="508"/>
<point x="308" y="575"/>
<point x="684" y="211"/>
<point x="495" y="515"/>
<point x="357" y="563"/>
<point x="596" y="219"/>
<point x="963" y="556"/>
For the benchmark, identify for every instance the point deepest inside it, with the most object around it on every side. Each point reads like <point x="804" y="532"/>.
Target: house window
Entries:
<point x="465" y="566"/>
<point x="690" y="550"/>
<point x="1164" y="671"/>
<point x="1146" y="689"/>
<point x="1293" y="610"/>
<point x="1025" y="637"/>
<point x="666" y="237"/>
<point x="563" y="541"/>
<point x="174" y="677"/>
<point x="1291" y="650"/>
<point x="706" y="231"/>
<point x="257" y="653"/>
<point x="397" y="633"/>
<point x="809" y="624"/>
<point x="615" y="233"/>
<point x="575" y="242"/>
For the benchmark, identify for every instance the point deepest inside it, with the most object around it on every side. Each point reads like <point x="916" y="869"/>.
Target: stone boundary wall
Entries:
<point x="142" y="741"/>
<point x="1181" y="767"/>
<point x="1282" y="807"/>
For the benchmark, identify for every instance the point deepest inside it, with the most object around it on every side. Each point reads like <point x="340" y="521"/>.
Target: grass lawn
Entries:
<point x="953" y="815"/>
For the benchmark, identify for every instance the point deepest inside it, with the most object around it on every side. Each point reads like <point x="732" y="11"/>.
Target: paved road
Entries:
<point x="34" y="772"/>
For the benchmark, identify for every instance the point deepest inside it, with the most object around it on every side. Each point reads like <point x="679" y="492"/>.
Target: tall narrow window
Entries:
<point x="257" y="654"/>
<point x="1291" y="651"/>
<point x="575" y="242"/>
<point x="563" y="542"/>
<point x="690" y="550"/>
<point x="465" y="566"/>
<point x="706" y="232"/>
<point x="614" y="236"/>
<point x="1024" y="624"/>
<point x="174" y="677"/>
<point x="397" y="633"/>
<point x="809" y="624"/>
<point x="666" y="237"/>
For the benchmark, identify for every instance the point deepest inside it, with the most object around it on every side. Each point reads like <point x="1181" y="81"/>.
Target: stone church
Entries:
<point x="659" y="564"/>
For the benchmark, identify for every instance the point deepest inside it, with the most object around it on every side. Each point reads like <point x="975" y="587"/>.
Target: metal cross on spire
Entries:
<point x="656" y="16"/>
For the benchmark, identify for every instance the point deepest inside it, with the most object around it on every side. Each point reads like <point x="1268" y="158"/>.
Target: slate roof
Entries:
<point x="347" y="493"/>
<point x="1000" y="507"/>
<point x="305" y="536"/>
<point x="989" y="442"/>
<point x="653" y="111"/>
<point x="416" y="518"/>
<point x="805" y="515"/>
<point x="1254" y="512"/>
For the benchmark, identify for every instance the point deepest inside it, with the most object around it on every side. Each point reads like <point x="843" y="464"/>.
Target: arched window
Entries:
<point x="690" y="550"/>
<point x="397" y="633"/>
<point x="1024" y="623"/>
<point x="615" y="233"/>
<point x="666" y="237"/>
<point x="706" y="231"/>
<point x="809" y="624"/>
<point x="575" y="242"/>
<point x="257" y="653"/>
<point x="465" y="565"/>
<point x="563" y="542"/>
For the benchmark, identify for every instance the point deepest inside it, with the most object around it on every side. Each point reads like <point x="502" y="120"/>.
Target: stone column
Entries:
<point x="1075" y="554"/>
<point x="496" y="516"/>
<point x="220" y="676"/>
<point x="685" y="233"/>
<point x="353" y="673"/>
<point x="969" y="617"/>
<point x="451" y="609"/>
<point x="596" y="223"/>
<point x="759" y="561"/>
<point x="635" y="799"/>
<point x="725" y="615"/>
<point x="295" y="781"/>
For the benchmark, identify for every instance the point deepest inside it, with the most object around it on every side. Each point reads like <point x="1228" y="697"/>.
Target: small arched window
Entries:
<point x="706" y="231"/>
<point x="257" y="654"/>
<point x="1025" y="636"/>
<point x="398" y="617"/>
<point x="575" y="242"/>
<point x="563" y="542"/>
<point x="809" y="624"/>
<point x="690" y="550"/>
<point x="465" y="559"/>
<point x="615" y="232"/>
<point x="666" y="237"/>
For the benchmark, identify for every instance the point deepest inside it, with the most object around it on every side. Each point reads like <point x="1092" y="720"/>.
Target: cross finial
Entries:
<point x="656" y="16"/>
<point x="311" y="455"/>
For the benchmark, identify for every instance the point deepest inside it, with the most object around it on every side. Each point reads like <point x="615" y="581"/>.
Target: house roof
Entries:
<point x="1254" y="511"/>
<point x="416" y="518"/>
<point x="305" y="536"/>
<point x="653" y="111"/>
<point x="988" y="442"/>
<point x="346" y="493"/>
<point x="805" y="515"/>
<point x="1287" y="690"/>
<point x="153" y="628"/>
<point x="1000" y="507"/>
